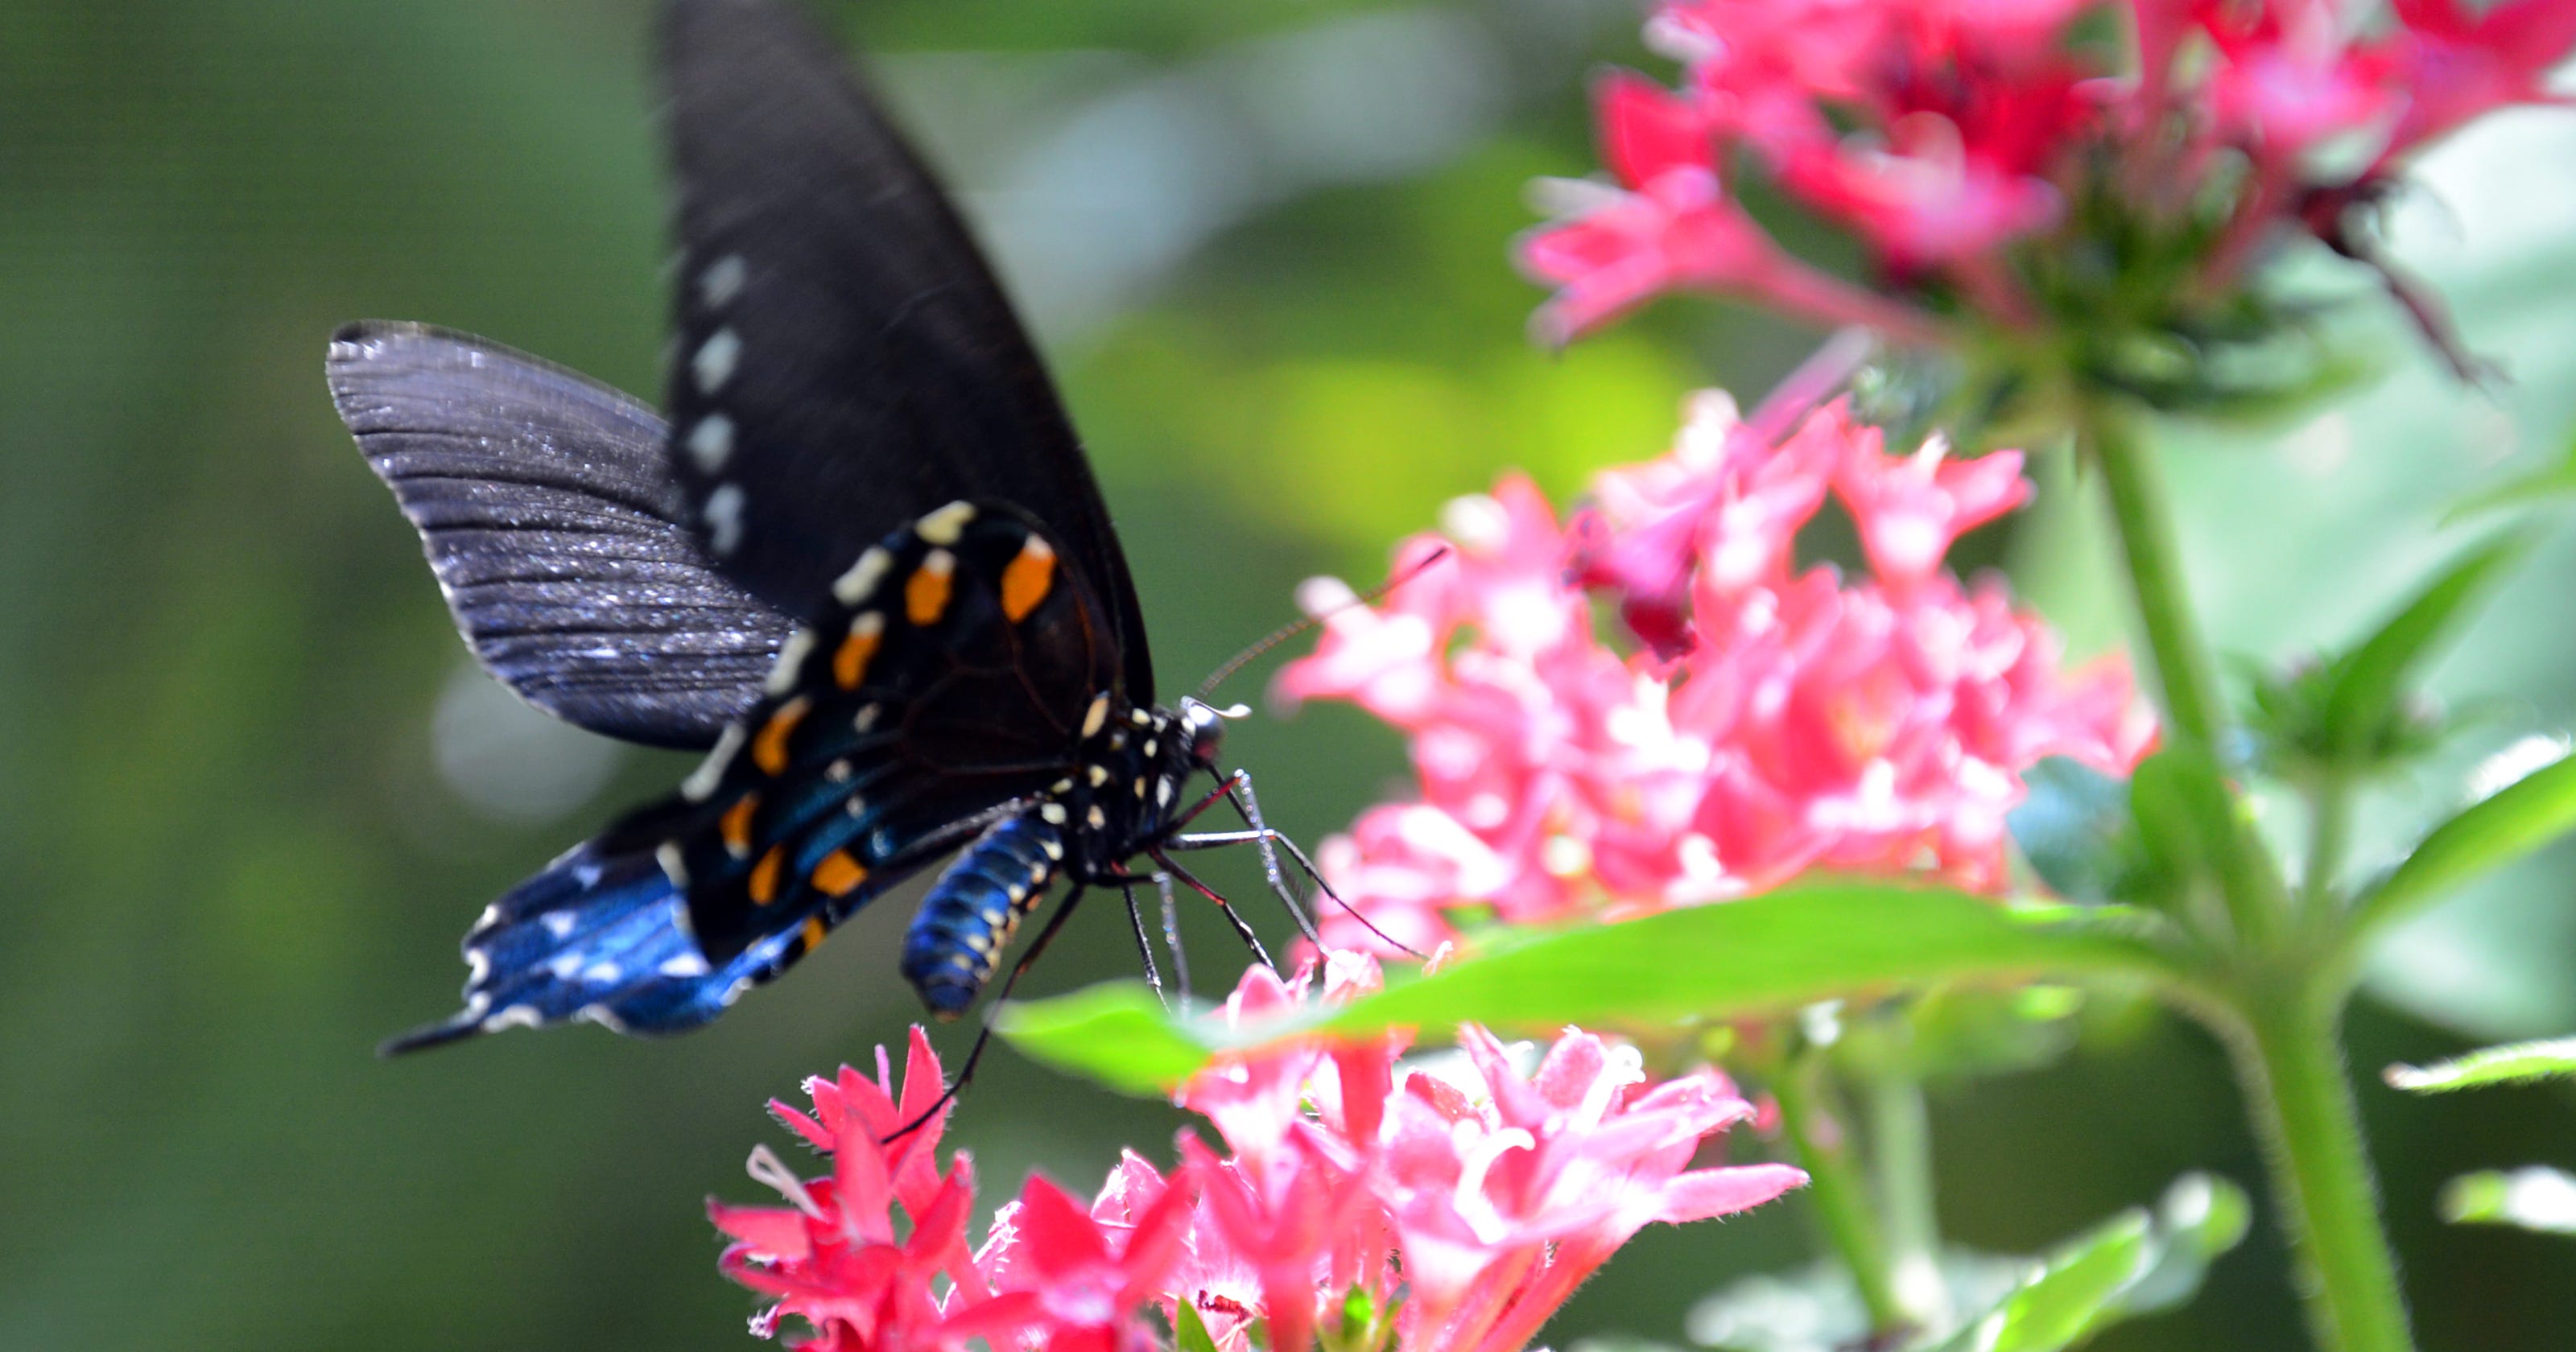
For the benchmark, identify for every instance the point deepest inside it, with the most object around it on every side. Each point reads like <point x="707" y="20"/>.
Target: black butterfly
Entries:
<point x="866" y="562"/>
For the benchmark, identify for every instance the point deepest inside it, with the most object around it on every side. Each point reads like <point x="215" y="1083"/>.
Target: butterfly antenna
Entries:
<point x="1300" y="625"/>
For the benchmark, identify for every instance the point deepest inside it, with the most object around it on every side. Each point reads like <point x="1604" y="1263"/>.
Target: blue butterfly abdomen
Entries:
<point x="958" y="935"/>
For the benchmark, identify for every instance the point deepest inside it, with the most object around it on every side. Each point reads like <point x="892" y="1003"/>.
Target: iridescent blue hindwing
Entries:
<point x="954" y="682"/>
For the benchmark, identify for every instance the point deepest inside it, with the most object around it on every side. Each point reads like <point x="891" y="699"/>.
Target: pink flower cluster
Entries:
<point x="1773" y="720"/>
<point x="1939" y="132"/>
<point x="1460" y="1207"/>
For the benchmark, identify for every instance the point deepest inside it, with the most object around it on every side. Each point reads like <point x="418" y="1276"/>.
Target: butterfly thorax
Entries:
<point x="1136" y="765"/>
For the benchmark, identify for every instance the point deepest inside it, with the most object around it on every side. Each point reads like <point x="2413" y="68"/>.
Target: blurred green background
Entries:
<point x="251" y="789"/>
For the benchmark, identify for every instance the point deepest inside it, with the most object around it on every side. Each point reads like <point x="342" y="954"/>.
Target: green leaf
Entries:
<point x="2513" y="1063"/>
<point x="1189" y="1332"/>
<point x="1818" y="1308"/>
<point x="2536" y="1198"/>
<point x="2075" y="829"/>
<point x="2060" y="1303"/>
<point x="1115" y="1032"/>
<point x="2367" y="683"/>
<point x="1768" y="953"/>
<point x="2130" y="1265"/>
<point x="2554" y="481"/>
<point x="2497" y="830"/>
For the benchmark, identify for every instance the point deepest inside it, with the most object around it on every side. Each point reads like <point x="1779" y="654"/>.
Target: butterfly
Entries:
<point x="865" y="562"/>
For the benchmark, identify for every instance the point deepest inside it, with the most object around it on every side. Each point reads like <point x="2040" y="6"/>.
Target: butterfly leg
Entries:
<point x="1261" y="836"/>
<point x="1242" y="929"/>
<point x="1267" y="836"/>
<point x="1172" y="934"/>
<point x="1271" y="835"/>
<point x="1144" y="941"/>
<point x="984" y="1035"/>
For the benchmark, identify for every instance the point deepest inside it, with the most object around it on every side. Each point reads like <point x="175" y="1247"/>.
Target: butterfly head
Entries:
<point x="1203" y="728"/>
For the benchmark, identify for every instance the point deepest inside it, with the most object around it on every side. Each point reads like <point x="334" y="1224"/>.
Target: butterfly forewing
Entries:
<point x="549" y="514"/>
<point x="844" y="360"/>
<point x="954" y="680"/>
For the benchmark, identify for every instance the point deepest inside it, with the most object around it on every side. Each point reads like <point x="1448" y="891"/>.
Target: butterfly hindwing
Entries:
<point x="549" y="514"/>
<point x="844" y="360"/>
<point x="955" y="679"/>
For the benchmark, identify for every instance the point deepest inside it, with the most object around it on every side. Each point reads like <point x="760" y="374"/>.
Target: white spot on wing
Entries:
<point x="724" y="518"/>
<point x="683" y="966"/>
<point x="599" y="1014"/>
<point x="942" y="527"/>
<point x="714" y="363"/>
<point x="791" y="658"/>
<point x="516" y="1016"/>
<point x="1052" y="813"/>
<point x="855" y="585"/>
<point x="601" y="973"/>
<point x="702" y="781"/>
<point x="668" y="856"/>
<point x="711" y="442"/>
<point x="1096" y="715"/>
<point x="722" y="281"/>
<point x="560" y="923"/>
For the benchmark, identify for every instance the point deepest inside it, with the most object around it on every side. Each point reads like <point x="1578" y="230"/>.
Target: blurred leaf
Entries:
<point x="2555" y="481"/>
<point x="1818" y="1309"/>
<point x="1966" y="1032"/>
<point x="2367" y="683"/>
<point x="2514" y="1063"/>
<point x="2062" y="1301"/>
<point x="2128" y="1266"/>
<point x="1115" y="1032"/>
<point x="2536" y="1198"/>
<point x="1774" y="952"/>
<point x="2132" y="1265"/>
<point x="2075" y="829"/>
<point x="1189" y="1332"/>
<point x="2496" y="830"/>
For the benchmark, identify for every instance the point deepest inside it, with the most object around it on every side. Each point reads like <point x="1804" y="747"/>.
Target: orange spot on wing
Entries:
<point x="769" y="749"/>
<point x="735" y="825"/>
<point x="764" y="876"/>
<point x="850" y="662"/>
<point x="815" y="929"/>
<point x="838" y="875"/>
<point x="925" y="593"/>
<point x="1026" y="579"/>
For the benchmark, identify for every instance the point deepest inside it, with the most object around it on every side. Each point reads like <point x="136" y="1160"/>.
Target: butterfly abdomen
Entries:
<point x="957" y="937"/>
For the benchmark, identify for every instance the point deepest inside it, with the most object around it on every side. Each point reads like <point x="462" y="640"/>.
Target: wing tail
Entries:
<point x="598" y="936"/>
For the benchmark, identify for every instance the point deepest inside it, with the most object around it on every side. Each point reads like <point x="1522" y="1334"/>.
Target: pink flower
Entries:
<point x="2291" y="79"/>
<point x="1669" y="225"/>
<point x="1911" y="509"/>
<point x="1466" y="1211"/>
<point x="2453" y="64"/>
<point x="1954" y="141"/>
<point x="831" y="1257"/>
<point x="1063" y="1273"/>
<point x="1775" y="721"/>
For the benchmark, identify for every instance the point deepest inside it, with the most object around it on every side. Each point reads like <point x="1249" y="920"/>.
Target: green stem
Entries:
<point x="2186" y="673"/>
<point x="2143" y="513"/>
<point x="2292" y="1068"/>
<point x="1833" y="1193"/>
<point x="1900" y="1150"/>
<point x="2280" y="1022"/>
<point x="2329" y="823"/>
